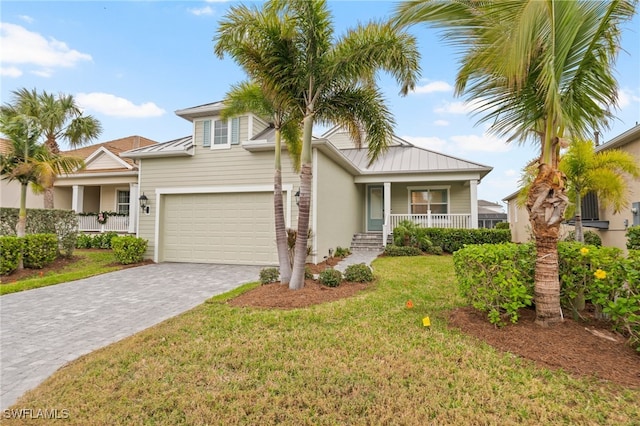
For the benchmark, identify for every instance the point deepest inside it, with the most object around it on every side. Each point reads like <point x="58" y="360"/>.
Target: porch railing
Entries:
<point x="114" y="224"/>
<point x="432" y="220"/>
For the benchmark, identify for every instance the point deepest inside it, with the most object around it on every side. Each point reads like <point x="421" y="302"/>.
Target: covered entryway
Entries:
<point x="235" y="228"/>
<point x="375" y="208"/>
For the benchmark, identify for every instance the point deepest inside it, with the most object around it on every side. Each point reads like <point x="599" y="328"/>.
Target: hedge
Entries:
<point x="453" y="239"/>
<point x="10" y="248"/>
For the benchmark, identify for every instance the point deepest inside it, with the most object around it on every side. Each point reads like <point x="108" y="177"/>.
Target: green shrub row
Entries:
<point x="590" y="238"/>
<point x="452" y="240"/>
<point x="62" y="223"/>
<point x="392" y="250"/>
<point x="128" y="249"/>
<point x="633" y="238"/>
<point x="37" y="251"/>
<point x="97" y="241"/>
<point x="499" y="279"/>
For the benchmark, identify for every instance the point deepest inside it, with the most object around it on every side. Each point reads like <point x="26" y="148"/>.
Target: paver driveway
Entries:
<point x="43" y="329"/>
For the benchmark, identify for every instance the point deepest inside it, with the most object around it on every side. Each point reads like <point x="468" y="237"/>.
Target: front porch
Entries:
<point x="89" y="223"/>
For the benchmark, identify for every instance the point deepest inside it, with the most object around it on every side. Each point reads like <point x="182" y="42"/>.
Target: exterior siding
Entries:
<point x="104" y="162"/>
<point x="10" y="196"/>
<point x="340" y="207"/>
<point x="208" y="168"/>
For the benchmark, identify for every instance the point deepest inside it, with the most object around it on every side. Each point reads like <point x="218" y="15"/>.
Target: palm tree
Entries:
<point x="59" y="117"/>
<point x="332" y="82"/>
<point x="601" y="172"/>
<point x="539" y="70"/>
<point x="29" y="162"/>
<point x="250" y="97"/>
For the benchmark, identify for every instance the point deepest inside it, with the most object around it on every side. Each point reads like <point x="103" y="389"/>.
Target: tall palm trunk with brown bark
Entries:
<point x="281" y="230"/>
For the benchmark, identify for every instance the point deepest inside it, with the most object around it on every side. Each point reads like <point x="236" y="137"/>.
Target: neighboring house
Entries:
<point x="489" y="214"/>
<point x="210" y="195"/>
<point x="611" y="227"/>
<point x="107" y="183"/>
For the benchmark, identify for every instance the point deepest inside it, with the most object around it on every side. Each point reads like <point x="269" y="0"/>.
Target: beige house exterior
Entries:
<point x="610" y="226"/>
<point x="210" y="195"/>
<point x="107" y="183"/>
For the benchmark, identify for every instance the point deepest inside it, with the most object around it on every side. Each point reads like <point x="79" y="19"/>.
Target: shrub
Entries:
<point x="103" y="241"/>
<point x="451" y="240"/>
<point x="392" y="250"/>
<point x="633" y="238"/>
<point x="269" y="275"/>
<point x="128" y="249"/>
<point x="359" y="273"/>
<point x="39" y="250"/>
<point x="62" y="223"/>
<point x="83" y="241"/>
<point x="330" y="277"/>
<point x="10" y="250"/>
<point x="437" y="250"/>
<point x="410" y="234"/>
<point x="496" y="278"/>
<point x="501" y="225"/>
<point x="342" y="252"/>
<point x="590" y="238"/>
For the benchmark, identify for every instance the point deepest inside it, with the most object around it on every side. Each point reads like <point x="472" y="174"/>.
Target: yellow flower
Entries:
<point x="600" y="274"/>
<point x="584" y="251"/>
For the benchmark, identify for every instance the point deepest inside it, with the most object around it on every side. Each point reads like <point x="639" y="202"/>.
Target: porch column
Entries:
<point x="386" y="196"/>
<point x="77" y="199"/>
<point x="133" y="207"/>
<point x="473" y="190"/>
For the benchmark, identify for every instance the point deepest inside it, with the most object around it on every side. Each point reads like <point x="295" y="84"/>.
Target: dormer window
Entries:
<point x="218" y="134"/>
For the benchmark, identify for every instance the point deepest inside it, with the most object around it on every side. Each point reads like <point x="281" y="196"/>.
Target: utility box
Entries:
<point x="635" y="211"/>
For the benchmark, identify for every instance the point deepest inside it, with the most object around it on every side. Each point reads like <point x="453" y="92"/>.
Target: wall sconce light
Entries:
<point x="143" y="203"/>
<point x="634" y="210"/>
<point x="330" y="252"/>
<point x="297" y="196"/>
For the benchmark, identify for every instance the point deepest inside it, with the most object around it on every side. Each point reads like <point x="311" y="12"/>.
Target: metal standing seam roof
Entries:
<point x="410" y="159"/>
<point x="176" y="147"/>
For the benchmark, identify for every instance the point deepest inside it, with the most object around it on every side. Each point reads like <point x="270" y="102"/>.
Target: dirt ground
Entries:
<point x="585" y="348"/>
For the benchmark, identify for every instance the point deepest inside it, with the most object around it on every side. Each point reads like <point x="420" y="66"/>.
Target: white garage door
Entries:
<point x="233" y="228"/>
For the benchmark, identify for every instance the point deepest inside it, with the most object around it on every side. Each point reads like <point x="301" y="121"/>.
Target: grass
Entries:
<point x="91" y="263"/>
<point x="363" y="360"/>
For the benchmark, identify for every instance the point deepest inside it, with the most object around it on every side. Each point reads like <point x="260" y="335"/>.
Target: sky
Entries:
<point x="132" y="64"/>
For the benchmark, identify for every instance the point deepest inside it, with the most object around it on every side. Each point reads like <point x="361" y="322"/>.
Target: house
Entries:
<point x="490" y="213"/>
<point x="10" y="191"/>
<point x="610" y="226"/>
<point x="210" y="194"/>
<point x="108" y="183"/>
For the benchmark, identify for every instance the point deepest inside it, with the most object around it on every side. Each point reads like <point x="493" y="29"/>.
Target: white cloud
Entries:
<point x="453" y="108"/>
<point x="441" y="123"/>
<point x="44" y="72"/>
<point x="12" y="72"/>
<point x="434" y="86"/>
<point x="484" y="143"/>
<point x="26" y="18"/>
<point x="511" y="173"/>
<point x="23" y="47"/>
<point x="207" y="10"/>
<point x="114" y="106"/>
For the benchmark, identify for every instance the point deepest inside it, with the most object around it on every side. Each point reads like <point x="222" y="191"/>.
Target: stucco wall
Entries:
<point x="10" y="196"/>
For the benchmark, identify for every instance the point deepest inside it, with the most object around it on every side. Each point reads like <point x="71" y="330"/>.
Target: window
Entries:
<point x="423" y="200"/>
<point x="123" y="202"/>
<point x="225" y="133"/>
<point x="220" y="135"/>
<point x="206" y="133"/>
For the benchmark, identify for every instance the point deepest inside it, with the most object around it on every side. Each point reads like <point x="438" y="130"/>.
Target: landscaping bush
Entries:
<point x="10" y="250"/>
<point x="359" y="273"/>
<point x="590" y="238"/>
<point x="496" y="278"/>
<point x="451" y="240"/>
<point x="103" y="241"/>
<point x="501" y="225"/>
<point x="128" y="249"/>
<point x="410" y="234"/>
<point x="633" y="238"/>
<point x="342" y="252"/>
<point x="269" y="275"/>
<point x="330" y="277"/>
<point x="84" y="241"/>
<point x="39" y="250"/>
<point x="391" y="250"/>
<point x="62" y="223"/>
<point x="437" y="250"/>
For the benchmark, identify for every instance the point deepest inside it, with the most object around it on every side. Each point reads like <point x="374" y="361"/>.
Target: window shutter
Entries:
<point x="235" y="131"/>
<point x="206" y="133"/>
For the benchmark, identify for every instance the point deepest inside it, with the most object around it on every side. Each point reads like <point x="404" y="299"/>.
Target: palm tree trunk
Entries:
<point x="546" y="204"/>
<point x="304" y="207"/>
<point x="578" y="224"/>
<point x="52" y="146"/>
<point x="281" y="231"/>
<point x="21" y="226"/>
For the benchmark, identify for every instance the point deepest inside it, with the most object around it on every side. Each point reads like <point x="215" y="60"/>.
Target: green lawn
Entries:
<point x="361" y="361"/>
<point x="91" y="263"/>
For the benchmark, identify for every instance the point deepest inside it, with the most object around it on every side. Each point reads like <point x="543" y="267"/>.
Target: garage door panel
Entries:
<point x="219" y="228"/>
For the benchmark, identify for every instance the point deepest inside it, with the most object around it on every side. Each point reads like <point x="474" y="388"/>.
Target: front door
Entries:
<point x="375" y="208"/>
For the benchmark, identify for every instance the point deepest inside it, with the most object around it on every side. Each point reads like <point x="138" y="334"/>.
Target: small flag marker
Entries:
<point x="426" y="322"/>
